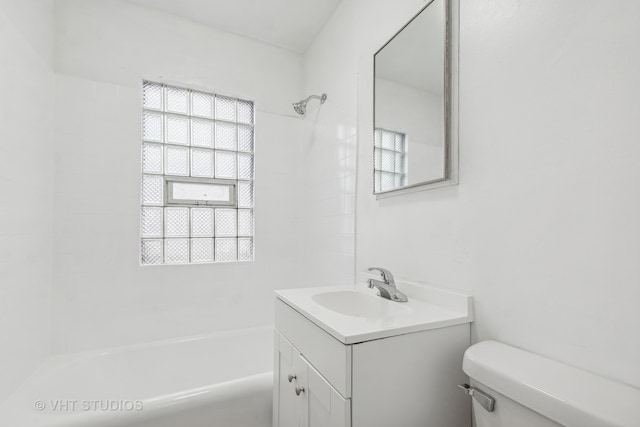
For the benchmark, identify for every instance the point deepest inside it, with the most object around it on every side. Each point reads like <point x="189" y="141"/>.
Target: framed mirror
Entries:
<point x="415" y="138"/>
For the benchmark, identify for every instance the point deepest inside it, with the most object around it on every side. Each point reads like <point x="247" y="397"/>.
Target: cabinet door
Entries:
<point x="308" y="400"/>
<point x="323" y="405"/>
<point x="287" y="403"/>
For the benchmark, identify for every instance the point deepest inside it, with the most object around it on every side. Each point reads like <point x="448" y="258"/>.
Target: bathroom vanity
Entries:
<point x="346" y="357"/>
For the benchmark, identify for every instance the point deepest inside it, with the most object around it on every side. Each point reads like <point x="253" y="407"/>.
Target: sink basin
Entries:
<point x="354" y="313"/>
<point x="358" y="304"/>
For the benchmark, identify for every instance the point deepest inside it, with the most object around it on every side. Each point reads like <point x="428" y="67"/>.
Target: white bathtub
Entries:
<point x="220" y="380"/>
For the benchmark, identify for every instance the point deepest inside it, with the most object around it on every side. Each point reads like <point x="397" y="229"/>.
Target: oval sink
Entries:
<point x="358" y="304"/>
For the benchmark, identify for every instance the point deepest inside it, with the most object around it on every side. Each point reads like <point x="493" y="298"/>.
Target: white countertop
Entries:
<point x="428" y="308"/>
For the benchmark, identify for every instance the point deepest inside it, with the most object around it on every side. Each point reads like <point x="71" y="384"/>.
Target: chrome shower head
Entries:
<point x="301" y="107"/>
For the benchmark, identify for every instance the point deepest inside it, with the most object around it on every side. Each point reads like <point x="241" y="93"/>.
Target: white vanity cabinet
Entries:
<point x="405" y="380"/>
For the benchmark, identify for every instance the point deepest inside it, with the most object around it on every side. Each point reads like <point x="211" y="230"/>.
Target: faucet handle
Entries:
<point x="387" y="277"/>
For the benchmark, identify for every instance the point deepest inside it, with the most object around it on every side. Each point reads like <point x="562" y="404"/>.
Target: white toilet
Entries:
<point x="514" y="388"/>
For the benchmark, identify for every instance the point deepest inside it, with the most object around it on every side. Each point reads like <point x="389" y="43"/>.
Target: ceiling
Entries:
<point x="291" y="24"/>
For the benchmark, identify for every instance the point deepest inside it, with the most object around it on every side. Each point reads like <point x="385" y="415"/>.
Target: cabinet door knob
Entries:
<point x="292" y="377"/>
<point x="299" y="390"/>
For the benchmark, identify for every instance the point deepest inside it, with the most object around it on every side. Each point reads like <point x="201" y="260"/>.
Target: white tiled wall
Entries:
<point x="26" y="185"/>
<point x="329" y="154"/>
<point x="543" y="226"/>
<point x="102" y="296"/>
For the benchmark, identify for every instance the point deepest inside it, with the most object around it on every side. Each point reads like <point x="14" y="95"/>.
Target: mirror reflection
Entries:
<point x="410" y="143"/>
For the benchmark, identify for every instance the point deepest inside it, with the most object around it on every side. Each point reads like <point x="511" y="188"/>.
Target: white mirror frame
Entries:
<point x="451" y="106"/>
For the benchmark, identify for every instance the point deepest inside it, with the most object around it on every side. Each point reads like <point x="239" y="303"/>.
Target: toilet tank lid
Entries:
<point x="567" y="395"/>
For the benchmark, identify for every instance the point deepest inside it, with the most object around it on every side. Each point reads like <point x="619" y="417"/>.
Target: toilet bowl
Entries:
<point x="528" y="390"/>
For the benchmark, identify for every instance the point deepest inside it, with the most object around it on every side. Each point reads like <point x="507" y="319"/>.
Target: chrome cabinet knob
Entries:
<point x="292" y="377"/>
<point x="299" y="390"/>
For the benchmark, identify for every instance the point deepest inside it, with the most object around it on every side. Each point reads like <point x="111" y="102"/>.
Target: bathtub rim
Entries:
<point x="153" y="407"/>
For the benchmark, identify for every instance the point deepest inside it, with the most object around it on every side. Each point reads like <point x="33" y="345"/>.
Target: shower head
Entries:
<point x="301" y="107"/>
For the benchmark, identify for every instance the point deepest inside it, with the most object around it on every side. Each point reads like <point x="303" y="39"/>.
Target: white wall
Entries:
<point x="540" y="228"/>
<point x="102" y="296"/>
<point x="543" y="228"/>
<point x="550" y="215"/>
<point x="26" y="185"/>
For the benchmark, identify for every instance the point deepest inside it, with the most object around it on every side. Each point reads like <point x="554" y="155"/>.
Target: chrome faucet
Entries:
<point x="386" y="287"/>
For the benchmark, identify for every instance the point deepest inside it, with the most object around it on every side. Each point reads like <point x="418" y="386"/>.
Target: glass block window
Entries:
<point x="197" y="177"/>
<point x="390" y="160"/>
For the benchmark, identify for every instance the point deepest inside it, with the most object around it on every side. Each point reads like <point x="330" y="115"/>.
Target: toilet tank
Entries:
<point x="533" y="391"/>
